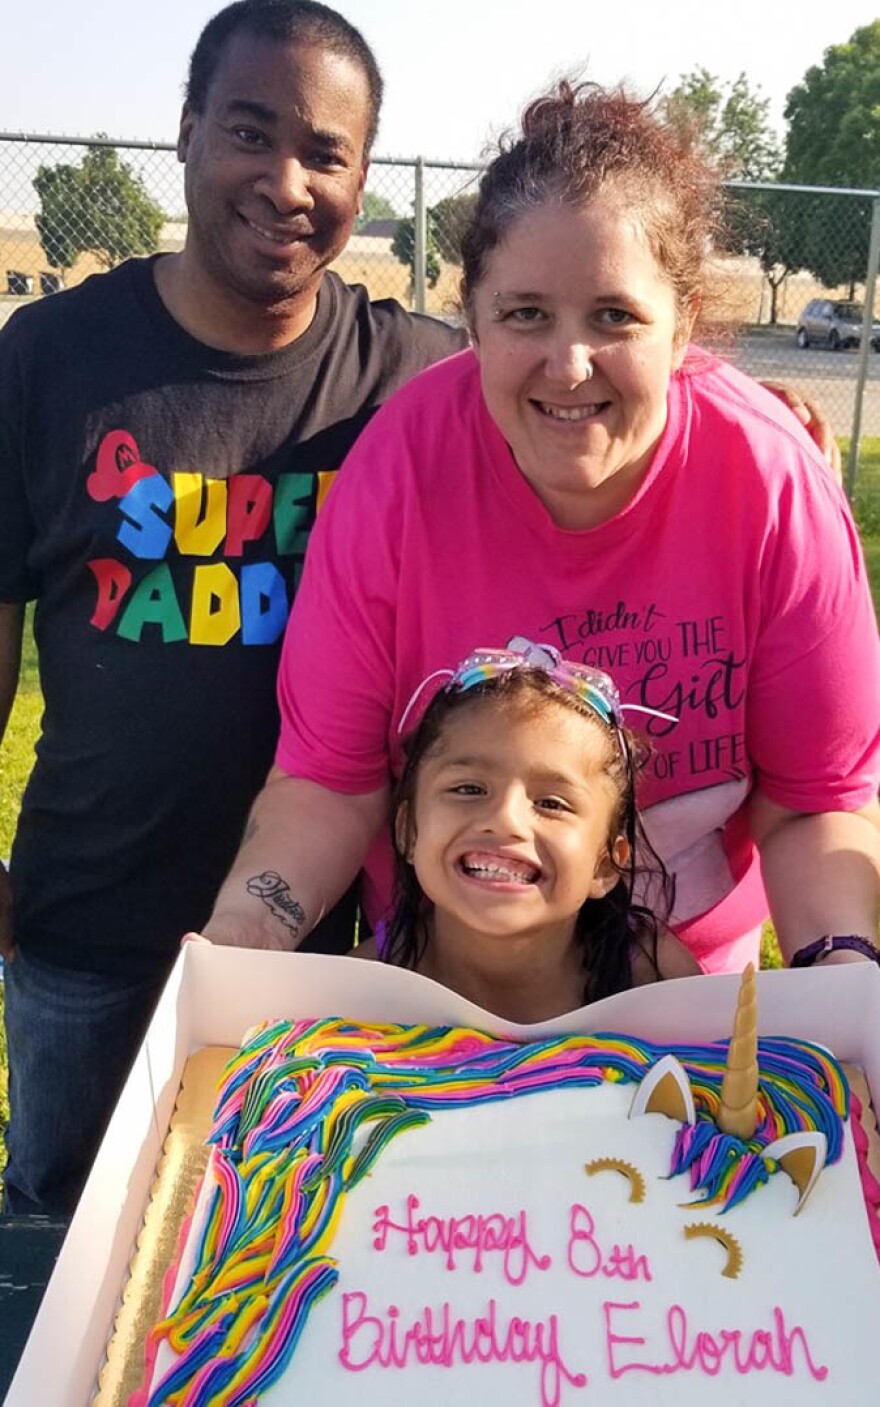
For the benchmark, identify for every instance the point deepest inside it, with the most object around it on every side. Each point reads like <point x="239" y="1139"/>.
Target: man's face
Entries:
<point x="275" y="167"/>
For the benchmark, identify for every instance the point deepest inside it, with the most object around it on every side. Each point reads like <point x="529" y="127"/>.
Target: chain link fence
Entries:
<point x="791" y="290"/>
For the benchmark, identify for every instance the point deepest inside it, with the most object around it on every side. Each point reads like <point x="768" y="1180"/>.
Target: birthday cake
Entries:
<point x="396" y="1213"/>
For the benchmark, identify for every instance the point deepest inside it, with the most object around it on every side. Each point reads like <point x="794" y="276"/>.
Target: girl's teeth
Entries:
<point x="523" y="874"/>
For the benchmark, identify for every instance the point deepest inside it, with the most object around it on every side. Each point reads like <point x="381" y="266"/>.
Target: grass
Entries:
<point x="17" y="750"/>
<point x="16" y="759"/>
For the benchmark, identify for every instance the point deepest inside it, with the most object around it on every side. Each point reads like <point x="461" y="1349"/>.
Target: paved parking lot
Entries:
<point x="830" y="377"/>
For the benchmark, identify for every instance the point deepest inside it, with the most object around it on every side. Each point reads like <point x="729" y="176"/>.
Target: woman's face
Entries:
<point x="576" y="332"/>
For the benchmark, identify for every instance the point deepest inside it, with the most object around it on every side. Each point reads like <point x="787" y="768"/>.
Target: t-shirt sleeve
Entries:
<point x="336" y="677"/>
<point x="16" y="527"/>
<point x="814" y="694"/>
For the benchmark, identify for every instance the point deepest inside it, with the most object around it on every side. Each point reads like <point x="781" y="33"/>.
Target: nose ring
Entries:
<point x="588" y="370"/>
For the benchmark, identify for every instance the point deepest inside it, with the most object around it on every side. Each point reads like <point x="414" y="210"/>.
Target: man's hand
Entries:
<point x="815" y="421"/>
<point x="7" y="947"/>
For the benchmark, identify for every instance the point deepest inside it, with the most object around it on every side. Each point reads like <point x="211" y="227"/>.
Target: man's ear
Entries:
<point x="404" y="837"/>
<point x="184" y="132"/>
<point x="608" y="870"/>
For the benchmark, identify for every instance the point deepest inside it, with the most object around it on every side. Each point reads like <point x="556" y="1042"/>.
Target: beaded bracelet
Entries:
<point x="831" y="942"/>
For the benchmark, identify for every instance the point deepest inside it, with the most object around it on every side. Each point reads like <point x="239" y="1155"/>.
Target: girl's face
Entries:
<point x="576" y="330"/>
<point x="511" y="818"/>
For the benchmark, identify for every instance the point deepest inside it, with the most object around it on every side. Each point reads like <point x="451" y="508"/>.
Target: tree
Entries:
<point x="833" y="139"/>
<point x="731" y="126"/>
<point x="451" y="217"/>
<point x="833" y="117"/>
<point x="768" y="225"/>
<point x="403" y="247"/>
<point x="57" y="219"/>
<point x="729" y="121"/>
<point x="100" y="206"/>
<point x="374" y="207"/>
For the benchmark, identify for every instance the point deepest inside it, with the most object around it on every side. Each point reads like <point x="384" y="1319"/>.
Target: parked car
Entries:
<point x="834" y="324"/>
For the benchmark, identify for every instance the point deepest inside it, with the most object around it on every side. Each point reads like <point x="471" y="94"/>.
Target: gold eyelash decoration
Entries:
<point x="717" y="1233"/>
<point x="619" y="1165"/>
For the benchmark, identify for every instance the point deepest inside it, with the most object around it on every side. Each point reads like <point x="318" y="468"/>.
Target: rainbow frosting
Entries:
<point x="306" y="1109"/>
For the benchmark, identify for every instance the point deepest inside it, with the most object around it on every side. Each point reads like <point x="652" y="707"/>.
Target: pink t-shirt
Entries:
<point x="730" y="591"/>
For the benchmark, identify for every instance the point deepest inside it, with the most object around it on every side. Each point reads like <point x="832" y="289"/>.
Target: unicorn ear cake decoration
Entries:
<point x="802" y="1156"/>
<point x="666" y="1089"/>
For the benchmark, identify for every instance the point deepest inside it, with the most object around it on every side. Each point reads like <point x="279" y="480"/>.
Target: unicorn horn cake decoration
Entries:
<point x="703" y="1146"/>
<point x="738" y="1111"/>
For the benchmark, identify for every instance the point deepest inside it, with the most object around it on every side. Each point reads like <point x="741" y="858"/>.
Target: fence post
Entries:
<point x="420" y="251"/>
<point x="852" y="467"/>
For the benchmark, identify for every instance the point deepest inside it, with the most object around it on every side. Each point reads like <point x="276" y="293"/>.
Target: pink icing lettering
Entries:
<point x="774" y="1349"/>
<point x="760" y="1352"/>
<point x="352" y="1325"/>
<point x="445" y="1340"/>
<point x="615" y="1369"/>
<point x="780" y="1349"/>
<point x="586" y="1258"/>
<point x="507" y="1236"/>
<point x="624" y="1264"/>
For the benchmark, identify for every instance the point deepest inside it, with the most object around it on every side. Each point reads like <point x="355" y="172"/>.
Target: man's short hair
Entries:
<point x="286" y="22"/>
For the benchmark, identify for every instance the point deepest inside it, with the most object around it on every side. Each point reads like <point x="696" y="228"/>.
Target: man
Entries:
<point x="167" y="432"/>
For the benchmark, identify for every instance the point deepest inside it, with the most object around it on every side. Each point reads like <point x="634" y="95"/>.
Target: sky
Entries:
<point x="456" y="71"/>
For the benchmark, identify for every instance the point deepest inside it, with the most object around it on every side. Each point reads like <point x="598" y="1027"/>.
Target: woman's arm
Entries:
<point x="821" y="873"/>
<point x="302" y="847"/>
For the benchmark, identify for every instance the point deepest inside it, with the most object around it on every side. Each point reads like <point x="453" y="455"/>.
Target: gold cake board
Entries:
<point x="179" y="1171"/>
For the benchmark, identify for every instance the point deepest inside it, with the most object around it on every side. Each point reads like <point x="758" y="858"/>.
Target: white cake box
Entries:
<point x="215" y="994"/>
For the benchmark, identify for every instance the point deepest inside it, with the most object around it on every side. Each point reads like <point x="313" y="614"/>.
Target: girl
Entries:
<point x="516" y="836"/>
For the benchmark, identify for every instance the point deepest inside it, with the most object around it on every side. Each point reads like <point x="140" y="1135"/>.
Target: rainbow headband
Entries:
<point x="591" y="686"/>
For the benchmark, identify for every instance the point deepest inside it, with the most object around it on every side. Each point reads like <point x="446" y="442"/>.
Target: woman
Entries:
<point x="583" y="477"/>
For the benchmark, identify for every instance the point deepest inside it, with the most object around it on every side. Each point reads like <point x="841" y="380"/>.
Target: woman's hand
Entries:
<point x="813" y="418"/>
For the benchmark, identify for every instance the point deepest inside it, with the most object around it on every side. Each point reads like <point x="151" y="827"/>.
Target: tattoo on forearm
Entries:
<point x="275" y="894"/>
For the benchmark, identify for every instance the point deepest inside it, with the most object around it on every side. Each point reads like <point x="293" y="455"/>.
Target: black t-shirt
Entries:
<point x="156" y="497"/>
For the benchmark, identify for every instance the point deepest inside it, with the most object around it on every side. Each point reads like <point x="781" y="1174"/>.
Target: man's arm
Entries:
<point x="302" y="847"/>
<point x="11" y="629"/>
<point x="821" y="873"/>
